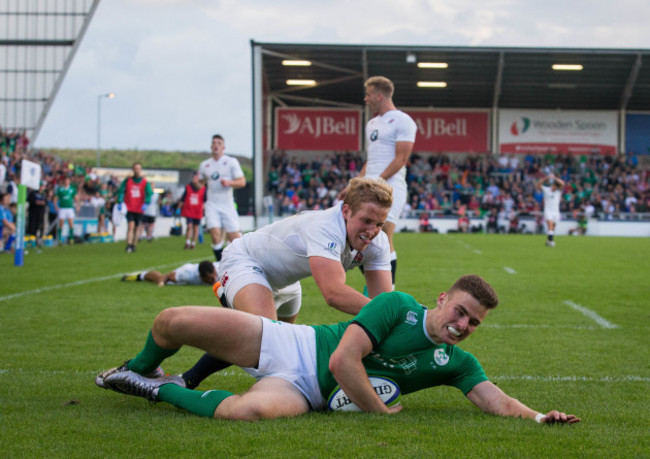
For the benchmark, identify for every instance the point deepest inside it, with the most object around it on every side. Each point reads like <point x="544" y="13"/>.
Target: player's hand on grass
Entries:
<point x="394" y="409"/>
<point x="557" y="417"/>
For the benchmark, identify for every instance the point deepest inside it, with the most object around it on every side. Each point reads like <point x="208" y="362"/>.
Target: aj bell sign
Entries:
<point x="451" y="131"/>
<point x="317" y="129"/>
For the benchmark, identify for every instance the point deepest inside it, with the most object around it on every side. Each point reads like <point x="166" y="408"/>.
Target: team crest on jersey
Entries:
<point x="411" y="318"/>
<point x="224" y="279"/>
<point x="356" y="261"/>
<point x="374" y="135"/>
<point x="441" y="357"/>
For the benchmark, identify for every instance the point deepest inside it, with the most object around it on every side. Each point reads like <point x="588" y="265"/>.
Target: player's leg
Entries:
<point x="269" y="398"/>
<point x="244" y="288"/>
<point x="252" y="298"/>
<point x="137" y="230"/>
<point x="224" y="333"/>
<point x="71" y="230"/>
<point x="389" y="229"/>
<point x="400" y="195"/>
<point x="550" y="232"/>
<point x="217" y="241"/>
<point x="189" y="234"/>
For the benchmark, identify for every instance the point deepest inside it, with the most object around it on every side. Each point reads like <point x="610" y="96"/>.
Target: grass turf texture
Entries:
<point x="66" y="316"/>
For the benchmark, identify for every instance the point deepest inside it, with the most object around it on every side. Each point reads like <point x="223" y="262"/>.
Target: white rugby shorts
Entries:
<point x="400" y="194"/>
<point x="552" y="216"/>
<point x="66" y="213"/>
<point x="220" y="216"/>
<point x="237" y="269"/>
<point x="289" y="352"/>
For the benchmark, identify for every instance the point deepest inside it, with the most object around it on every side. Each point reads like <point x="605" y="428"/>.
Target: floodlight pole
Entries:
<point x="109" y="95"/>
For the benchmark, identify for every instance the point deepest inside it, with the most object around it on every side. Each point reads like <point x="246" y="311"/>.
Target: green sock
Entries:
<point x="149" y="357"/>
<point x="194" y="401"/>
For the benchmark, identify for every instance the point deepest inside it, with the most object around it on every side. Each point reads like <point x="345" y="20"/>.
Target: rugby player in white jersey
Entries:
<point x="551" y="186"/>
<point x="390" y="136"/>
<point x="260" y="273"/>
<point x="221" y="174"/>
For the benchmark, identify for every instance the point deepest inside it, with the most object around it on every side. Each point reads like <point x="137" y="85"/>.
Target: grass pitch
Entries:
<point x="571" y="333"/>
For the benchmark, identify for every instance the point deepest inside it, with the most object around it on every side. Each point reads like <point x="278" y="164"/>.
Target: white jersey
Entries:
<point x="152" y="208"/>
<point x="212" y="171"/>
<point x="551" y="199"/>
<point x="188" y="274"/>
<point x="283" y="248"/>
<point x="382" y="133"/>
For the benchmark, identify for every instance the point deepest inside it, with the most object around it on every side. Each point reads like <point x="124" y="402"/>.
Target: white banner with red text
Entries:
<point x="318" y="129"/>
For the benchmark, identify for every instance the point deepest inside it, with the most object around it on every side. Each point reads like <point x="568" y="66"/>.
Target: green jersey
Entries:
<point x="402" y="349"/>
<point x="65" y="197"/>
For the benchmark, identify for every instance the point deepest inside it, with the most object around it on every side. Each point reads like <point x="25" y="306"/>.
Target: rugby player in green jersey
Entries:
<point x="297" y="366"/>
<point x="65" y="201"/>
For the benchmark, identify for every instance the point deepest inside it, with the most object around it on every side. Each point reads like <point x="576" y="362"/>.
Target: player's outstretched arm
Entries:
<point x="490" y="399"/>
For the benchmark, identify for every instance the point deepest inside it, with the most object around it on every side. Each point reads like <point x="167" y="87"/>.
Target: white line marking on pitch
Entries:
<point x="591" y="314"/>
<point x="602" y="379"/>
<point x="630" y="378"/>
<point x="568" y="327"/>
<point x="509" y="270"/>
<point x="80" y="282"/>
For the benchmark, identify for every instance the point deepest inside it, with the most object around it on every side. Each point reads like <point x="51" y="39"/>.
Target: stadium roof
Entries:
<point x="37" y="43"/>
<point x="610" y="79"/>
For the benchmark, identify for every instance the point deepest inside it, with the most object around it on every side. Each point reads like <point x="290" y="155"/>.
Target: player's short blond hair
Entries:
<point x="381" y="84"/>
<point x="361" y="190"/>
<point x="478" y="288"/>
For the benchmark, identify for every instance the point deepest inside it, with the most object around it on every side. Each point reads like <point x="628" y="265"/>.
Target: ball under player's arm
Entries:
<point x="330" y="278"/>
<point x="402" y="153"/>
<point x="348" y="370"/>
<point x="490" y="399"/>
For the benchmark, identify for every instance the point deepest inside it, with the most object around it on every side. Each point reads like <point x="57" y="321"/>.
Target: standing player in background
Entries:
<point x="191" y="204"/>
<point x="390" y="136"/>
<point x="221" y="174"/>
<point x="551" y="186"/>
<point x="135" y="192"/>
<point x="65" y="200"/>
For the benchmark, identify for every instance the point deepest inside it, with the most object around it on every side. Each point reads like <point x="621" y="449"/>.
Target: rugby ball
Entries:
<point x="386" y="388"/>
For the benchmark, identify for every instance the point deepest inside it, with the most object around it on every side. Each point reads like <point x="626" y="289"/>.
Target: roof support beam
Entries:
<point x="631" y="81"/>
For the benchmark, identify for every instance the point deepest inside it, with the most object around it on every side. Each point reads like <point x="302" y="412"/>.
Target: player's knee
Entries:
<point x="167" y="320"/>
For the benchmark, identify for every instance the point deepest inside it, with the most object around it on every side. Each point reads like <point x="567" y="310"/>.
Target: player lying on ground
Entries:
<point x="204" y="273"/>
<point x="297" y="366"/>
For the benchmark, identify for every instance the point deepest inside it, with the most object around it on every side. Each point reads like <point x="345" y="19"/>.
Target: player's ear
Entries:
<point x="347" y="211"/>
<point x="441" y="298"/>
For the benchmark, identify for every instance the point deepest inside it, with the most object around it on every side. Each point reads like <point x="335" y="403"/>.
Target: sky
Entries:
<point x="181" y="69"/>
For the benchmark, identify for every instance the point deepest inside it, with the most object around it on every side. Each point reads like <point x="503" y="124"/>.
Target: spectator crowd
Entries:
<point x="604" y="187"/>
